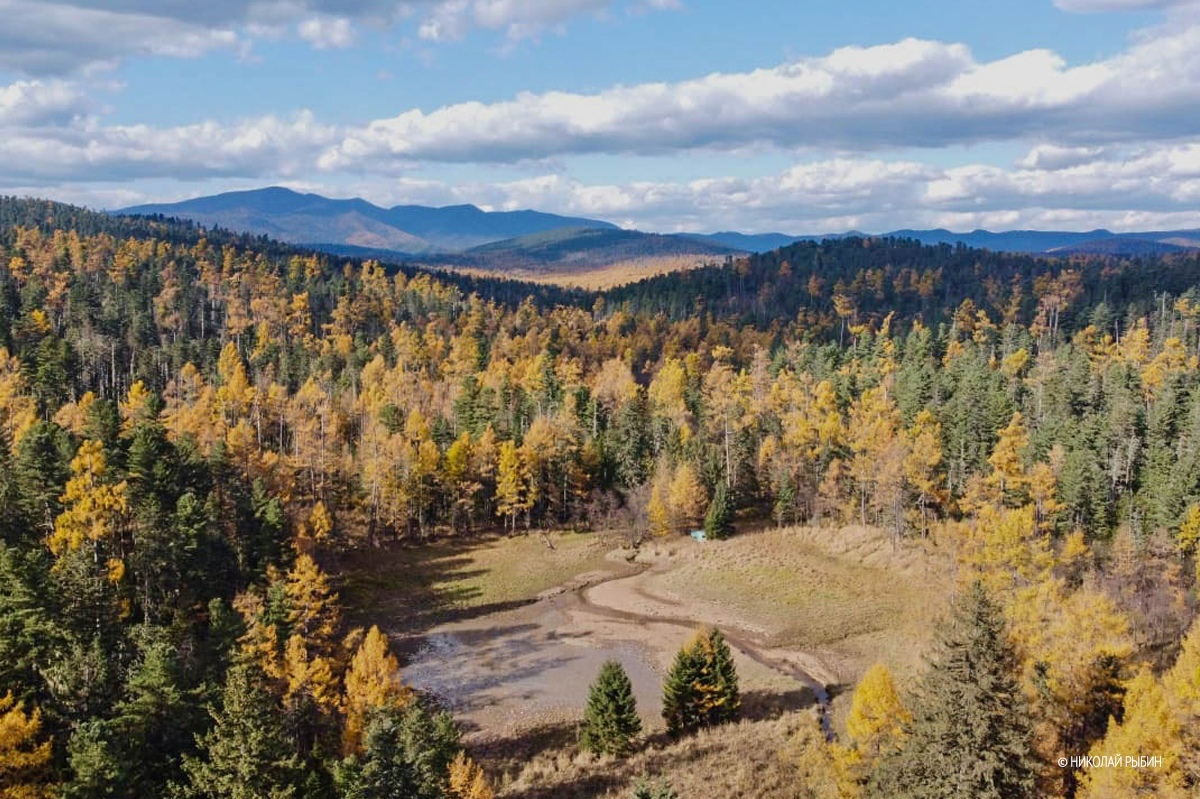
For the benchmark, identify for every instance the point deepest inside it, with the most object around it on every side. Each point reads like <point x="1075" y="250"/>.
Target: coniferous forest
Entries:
<point x="196" y="426"/>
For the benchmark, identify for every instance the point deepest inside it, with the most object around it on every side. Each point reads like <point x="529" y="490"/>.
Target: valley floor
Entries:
<point x="510" y="632"/>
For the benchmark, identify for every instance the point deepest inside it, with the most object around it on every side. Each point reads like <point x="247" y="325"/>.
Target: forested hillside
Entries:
<point x="192" y="423"/>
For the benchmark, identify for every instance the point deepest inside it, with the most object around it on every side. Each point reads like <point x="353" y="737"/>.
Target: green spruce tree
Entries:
<point x="247" y="754"/>
<point x="701" y="688"/>
<point x="610" y="721"/>
<point x="408" y="752"/>
<point x="718" y="522"/>
<point x="970" y="734"/>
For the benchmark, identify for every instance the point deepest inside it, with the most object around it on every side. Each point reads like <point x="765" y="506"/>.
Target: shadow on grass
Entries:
<point x="767" y="705"/>
<point x="521" y="746"/>
<point x="414" y="587"/>
<point x="585" y="786"/>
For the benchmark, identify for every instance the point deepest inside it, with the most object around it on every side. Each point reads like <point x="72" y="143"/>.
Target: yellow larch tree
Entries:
<point x="877" y="716"/>
<point x="372" y="681"/>
<point x="511" y="486"/>
<point x="667" y="393"/>
<point x="1043" y="488"/>
<point x="135" y="408"/>
<point x="1073" y="646"/>
<point x="73" y="416"/>
<point x="25" y="761"/>
<point x="94" y="508"/>
<point x="871" y="433"/>
<point x="1009" y="478"/>
<point x="923" y="455"/>
<point x="313" y="611"/>
<point x="18" y="409"/>
<point x="687" y="498"/>
<point x="1148" y="727"/>
<point x="658" y="517"/>
<point x="467" y="780"/>
<point x="1189" y="531"/>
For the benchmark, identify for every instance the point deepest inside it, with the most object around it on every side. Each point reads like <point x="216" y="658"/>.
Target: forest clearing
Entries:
<point x="517" y="629"/>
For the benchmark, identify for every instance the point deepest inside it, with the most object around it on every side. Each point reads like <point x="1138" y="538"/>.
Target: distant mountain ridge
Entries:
<point x="1041" y="242"/>
<point x="453" y="234"/>
<point x="404" y="229"/>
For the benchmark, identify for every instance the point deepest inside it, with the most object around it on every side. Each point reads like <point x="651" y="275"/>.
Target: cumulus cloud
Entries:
<point x="913" y="93"/>
<point x="87" y="151"/>
<point x="1154" y="188"/>
<point x="60" y="36"/>
<point x="519" y="19"/>
<point x="327" y="33"/>
<point x="51" y="37"/>
<point x="33" y="103"/>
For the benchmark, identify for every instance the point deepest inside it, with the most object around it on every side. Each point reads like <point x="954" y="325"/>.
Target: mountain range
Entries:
<point x="297" y="218"/>
<point x="532" y="240"/>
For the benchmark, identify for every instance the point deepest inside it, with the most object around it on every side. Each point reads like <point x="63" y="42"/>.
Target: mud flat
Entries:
<point x="532" y="665"/>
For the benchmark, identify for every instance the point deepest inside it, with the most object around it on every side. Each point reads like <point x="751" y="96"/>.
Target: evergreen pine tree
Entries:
<point x="969" y="735"/>
<point x="407" y="754"/>
<point x="701" y="688"/>
<point x="610" y="721"/>
<point x="718" y="522"/>
<point x="247" y="754"/>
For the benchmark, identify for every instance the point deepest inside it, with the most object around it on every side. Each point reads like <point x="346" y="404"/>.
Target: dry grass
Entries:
<point x="597" y="278"/>
<point x="422" y="585"/>
<point x="748" y="759"/>
<point x="846" y="594"/>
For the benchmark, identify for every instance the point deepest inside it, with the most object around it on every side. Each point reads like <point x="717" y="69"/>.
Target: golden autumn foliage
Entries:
<point x="512" y="490"/>
<point x="24" y="759"/>
<point x="313" y="611"/>
<point x="372" y="681"/>
<point x="877" y="716"/>
<point x="467" y="780"/>
<point x="827" y="770"/>
<point x="1009" y="477"/>
<point x="18" y="410"/>
<point x="1149" y="727"/>
<point x="686" y="497"/>
<point x="93" y="507"/>
<point x="658" y="517"/>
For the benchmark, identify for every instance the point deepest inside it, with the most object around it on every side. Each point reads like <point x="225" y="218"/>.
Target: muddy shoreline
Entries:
<point x="532" y="665"/>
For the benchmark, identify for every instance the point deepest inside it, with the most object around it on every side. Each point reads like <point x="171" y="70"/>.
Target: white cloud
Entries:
<point x="519" y="19"/>
<point x="52" y="37"/>
<point x="327" y="33"/>
<point x="86" y="151"/>
<point x="909" y="94"/>
<point x="60" y="36"/>
<point x="31" y="103"/>
<point x="1148" y="188"/>
<point x="1152" y="189"/>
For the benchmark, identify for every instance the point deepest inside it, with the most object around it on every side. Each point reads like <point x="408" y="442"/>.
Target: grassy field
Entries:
<point x="847" y="597"/>
<point x="597" y="278"/>
<point x="752" y="759"/>
<point x="844" y="594"/>
<point x="411" y="588"/>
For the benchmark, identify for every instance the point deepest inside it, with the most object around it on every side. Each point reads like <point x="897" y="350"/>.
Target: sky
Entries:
<point x="665" y="115"/>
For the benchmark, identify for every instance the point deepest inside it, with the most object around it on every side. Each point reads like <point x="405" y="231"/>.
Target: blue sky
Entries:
<point x="657" y="114"/>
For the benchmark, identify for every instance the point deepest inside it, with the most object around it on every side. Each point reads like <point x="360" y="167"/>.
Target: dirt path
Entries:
<point x="663" y="610"/>
<point x="524" y="666"/>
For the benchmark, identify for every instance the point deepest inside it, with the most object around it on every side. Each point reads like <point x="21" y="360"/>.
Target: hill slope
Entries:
<point x="405" y="229"/>
<point x="625" y="255"/>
